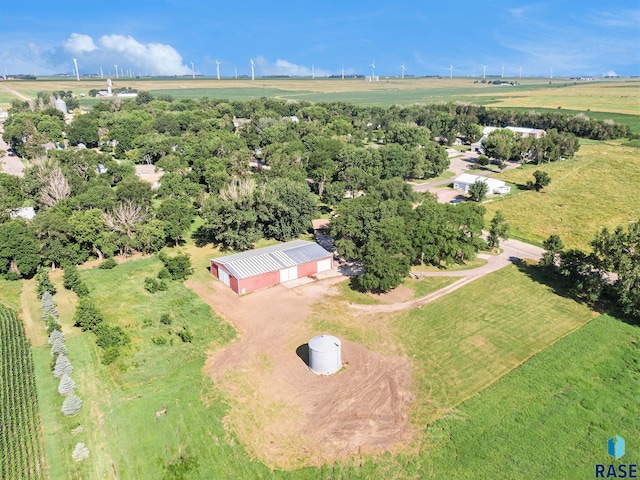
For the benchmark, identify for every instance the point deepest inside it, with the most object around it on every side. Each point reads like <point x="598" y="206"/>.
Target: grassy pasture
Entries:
<point x="598" y="188"/>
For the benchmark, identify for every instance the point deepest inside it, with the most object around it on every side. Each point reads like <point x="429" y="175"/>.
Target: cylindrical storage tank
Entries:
<point x="325" y="356"/>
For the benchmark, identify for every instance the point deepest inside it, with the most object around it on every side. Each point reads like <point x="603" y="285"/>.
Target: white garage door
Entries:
<point x="223" y="275"/>
<point x="287" y="274"/>
<point x="324" y="265"/>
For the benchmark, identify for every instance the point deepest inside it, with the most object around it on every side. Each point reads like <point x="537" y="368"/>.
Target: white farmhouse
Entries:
<point x="464" y="181"/>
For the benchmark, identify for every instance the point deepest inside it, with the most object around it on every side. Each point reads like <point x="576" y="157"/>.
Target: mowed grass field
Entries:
<point x="616" y="96"/>
<point x="598" y="188"/>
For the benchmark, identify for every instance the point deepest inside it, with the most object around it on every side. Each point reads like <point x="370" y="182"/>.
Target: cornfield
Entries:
<point x="20" y="437"/>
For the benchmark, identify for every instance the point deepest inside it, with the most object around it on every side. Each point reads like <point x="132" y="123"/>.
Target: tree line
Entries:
<point x="608" y="275"/>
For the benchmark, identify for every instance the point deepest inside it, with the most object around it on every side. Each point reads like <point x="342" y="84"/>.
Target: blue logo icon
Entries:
<point x="615" y="447"/>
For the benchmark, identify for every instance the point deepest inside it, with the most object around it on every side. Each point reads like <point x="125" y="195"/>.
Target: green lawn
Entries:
<point x="550" y="418"/>
<point x="10" y="293"/>
<point x="598" y="188"/>
<point x="468" y="339"/>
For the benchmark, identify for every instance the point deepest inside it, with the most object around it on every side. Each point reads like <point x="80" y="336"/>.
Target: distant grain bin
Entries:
<point x="325" y="355"/>
<point x="60" y="105"/>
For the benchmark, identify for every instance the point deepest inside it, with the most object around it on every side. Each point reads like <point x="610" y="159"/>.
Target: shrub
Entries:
<point x="483" y="160"/>
<point x="44" y="283"/>
<point x="165" y="319"/>
<point x="55" y="336"/>
<point x="53" y="325"/>
<point x="71" y="277"/>
<point x="71" y="405"/>
<point x="80" y="452"/>
<point x="164" y="274"/>
<point x="179" y="267"/>
<point x="159" y="340"/>
<point x="62" y="367"/>
<point x="152" y="285"/>
<point x="87" y="315"/>
<point x="111" y="336"/>
<point x="108" y="264"/>
<point x="58" y="348"/>
<point x="81" y="289"/>
<point x="110" y="355"/>
<point x="185" y="334"/>
<point x="66" y="386"/>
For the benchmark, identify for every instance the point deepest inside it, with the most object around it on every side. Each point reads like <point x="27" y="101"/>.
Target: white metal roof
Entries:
<point x="469" y="179"/>
<point x="270" y="259"/>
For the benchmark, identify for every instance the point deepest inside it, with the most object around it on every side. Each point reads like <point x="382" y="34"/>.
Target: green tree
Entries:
<point x="554" y="248"/>
<point x="499" y="229"/>
<point x="285" y="209"/>
<point x="500" y="144"/>
<point x="87" y="316"/>
<point x="542" y="180"/>
<point x="179" y="266"/>
<point x="177" y="216"/>
<point x="619" y="253"/>
<point x="478" y="191"/>
<point x="19" y="249"/>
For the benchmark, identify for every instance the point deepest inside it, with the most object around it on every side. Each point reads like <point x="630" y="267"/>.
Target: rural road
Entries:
<point x="512" y="251"/>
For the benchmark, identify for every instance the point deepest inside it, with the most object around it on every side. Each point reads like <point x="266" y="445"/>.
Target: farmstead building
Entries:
<point x="264" y="267"/>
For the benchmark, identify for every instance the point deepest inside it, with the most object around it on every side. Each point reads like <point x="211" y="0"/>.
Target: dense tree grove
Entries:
<point x="389" y="235"/>
<point x="250" y="170"/>
<point x="608" y="274"/>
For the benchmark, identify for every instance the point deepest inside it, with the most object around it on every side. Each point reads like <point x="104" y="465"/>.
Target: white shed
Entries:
<point x="464" y="181"/>
<point x="325" y="356"/>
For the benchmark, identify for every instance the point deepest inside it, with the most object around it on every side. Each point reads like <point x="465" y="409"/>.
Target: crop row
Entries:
<point x="20" y="442"/>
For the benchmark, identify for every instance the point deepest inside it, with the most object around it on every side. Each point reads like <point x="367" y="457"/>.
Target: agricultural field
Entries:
<point x="619" y="96"/>
<point x="20" y="436"/>
<point x="598" y="188"/>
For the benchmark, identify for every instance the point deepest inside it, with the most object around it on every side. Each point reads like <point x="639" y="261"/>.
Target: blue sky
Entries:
<point x="570" y="38"/>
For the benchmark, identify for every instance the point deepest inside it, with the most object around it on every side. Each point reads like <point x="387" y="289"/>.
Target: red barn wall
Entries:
<point x="259" y="281"/>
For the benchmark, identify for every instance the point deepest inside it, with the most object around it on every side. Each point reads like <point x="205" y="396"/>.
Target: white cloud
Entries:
<point x="155" y="57"/>
<point x="284" y="67"/>
<point x="78" y="43"/>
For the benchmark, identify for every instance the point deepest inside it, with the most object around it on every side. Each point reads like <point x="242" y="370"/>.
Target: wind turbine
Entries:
<point x="252" y="70"/>
<point x="313" y="72"/>
<point x="520" y="70"/>
<point x="193" y="71"/>
<point x="451" y="70"/>
<point x="100" y="72"/>
<point x="484" y="71"/>
<point x="218" y="69"/>
<point x="402" y="68"/>
<point x="342" y="72"/>
<point x="236" y="70"/>
<point x="116" y="71"/>
<point x="75" y="62"/>
<point x="373" y="70"/>
<point x="551" y="72"/>
<point x="502" y="72"/>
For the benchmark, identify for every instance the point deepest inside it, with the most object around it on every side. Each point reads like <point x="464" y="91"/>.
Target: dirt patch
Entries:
<point x="286" y="415"/>
<point x="402" y="293"/>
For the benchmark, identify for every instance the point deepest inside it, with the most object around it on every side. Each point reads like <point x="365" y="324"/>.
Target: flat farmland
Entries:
<point x="615" y="96"/>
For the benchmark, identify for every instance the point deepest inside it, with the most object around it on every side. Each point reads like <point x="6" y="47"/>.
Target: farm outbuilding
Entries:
<point x="464" y="181"/>
<point x="325" y="354"/>
<point x="264" y="267"/>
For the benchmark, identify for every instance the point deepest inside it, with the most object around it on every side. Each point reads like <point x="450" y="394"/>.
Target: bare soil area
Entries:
<point x="286" y="415"/>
